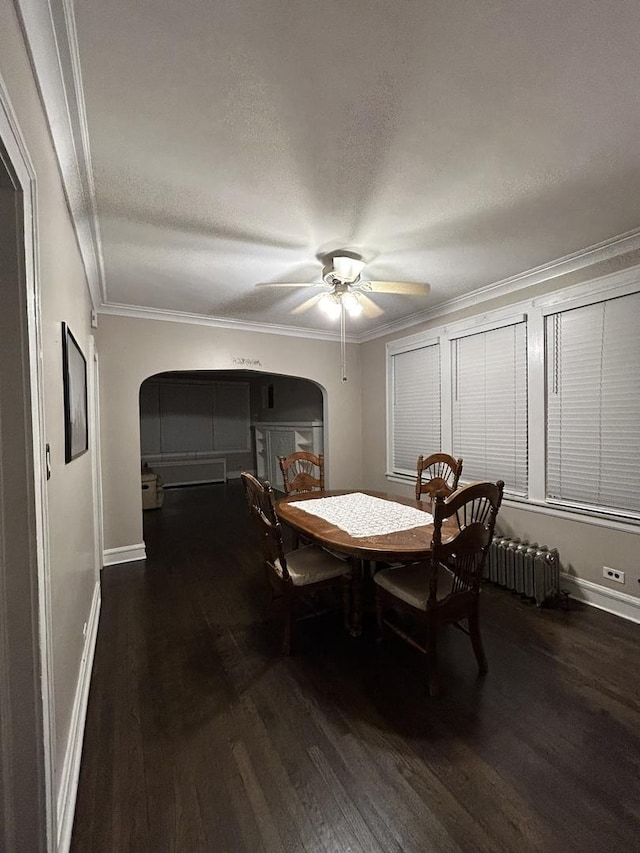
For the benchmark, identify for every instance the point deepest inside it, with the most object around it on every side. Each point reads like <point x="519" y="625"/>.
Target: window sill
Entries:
<point x="585" y="515"/>
<point x="401" y="478"/>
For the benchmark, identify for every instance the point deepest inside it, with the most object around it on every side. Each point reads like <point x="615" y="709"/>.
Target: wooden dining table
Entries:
<point x="400" y="546"/>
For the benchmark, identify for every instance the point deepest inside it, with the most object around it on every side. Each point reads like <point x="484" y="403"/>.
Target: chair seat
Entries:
<point x="410" y="583"/>
<point x="311" y="565"/>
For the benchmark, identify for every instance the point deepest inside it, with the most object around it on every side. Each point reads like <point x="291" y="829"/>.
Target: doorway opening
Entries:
<point x="201" y="427"/>
<point x="25" y="759"/>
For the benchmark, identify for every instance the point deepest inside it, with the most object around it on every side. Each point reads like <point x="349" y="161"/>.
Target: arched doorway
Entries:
<point x="208" y="426"/>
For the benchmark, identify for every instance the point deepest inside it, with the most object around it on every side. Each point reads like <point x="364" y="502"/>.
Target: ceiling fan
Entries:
<point x="347" y="290"/>
<point x="347" y="293"/>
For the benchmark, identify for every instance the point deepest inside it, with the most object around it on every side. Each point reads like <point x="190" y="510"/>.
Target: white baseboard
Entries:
<point x="619" y="603"/>
<point x="125" y="554"/>
<point x="71" y="768"/>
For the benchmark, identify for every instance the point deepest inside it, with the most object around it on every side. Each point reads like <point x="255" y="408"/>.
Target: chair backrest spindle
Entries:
<point x="437" y="474"/>
<point x="302" y="472"/>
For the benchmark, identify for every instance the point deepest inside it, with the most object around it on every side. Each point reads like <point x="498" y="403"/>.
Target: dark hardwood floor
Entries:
<point x="200" y="736"/>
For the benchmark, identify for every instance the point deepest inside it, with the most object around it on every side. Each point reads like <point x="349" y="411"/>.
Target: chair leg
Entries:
<point x="288" y="622"/>
<point x="432" y="661"/>
<point x="476" y="642"/>
<point x="356" y="588"/>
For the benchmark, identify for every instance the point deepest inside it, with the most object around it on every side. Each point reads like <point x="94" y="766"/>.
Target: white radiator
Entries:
<point x="188" y="469"/>
<point x="525" y="567"/>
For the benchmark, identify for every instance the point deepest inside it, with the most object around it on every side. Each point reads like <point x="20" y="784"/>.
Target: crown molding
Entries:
<point x="606" y="250"/>
<point x="50" y="34"/>
<point x="141" y="313"/>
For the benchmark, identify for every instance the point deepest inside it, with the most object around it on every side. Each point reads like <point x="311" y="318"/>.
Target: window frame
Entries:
<point x="582" y="301"/>
<point x="394" y="348"/>
<point x="455" y="333"/>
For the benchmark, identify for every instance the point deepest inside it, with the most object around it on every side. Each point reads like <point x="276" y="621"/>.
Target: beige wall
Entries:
<point x="584" y="547"/>
<point x="64" y="298"/>
<point x="133" y="349"/>
<point x="294" y="400"/>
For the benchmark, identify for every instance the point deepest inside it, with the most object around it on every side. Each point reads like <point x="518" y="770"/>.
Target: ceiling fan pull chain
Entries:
<point x="343" y="343"/>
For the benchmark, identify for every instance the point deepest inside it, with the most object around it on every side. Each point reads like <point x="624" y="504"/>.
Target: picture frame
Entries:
<point x="74" y="374"/>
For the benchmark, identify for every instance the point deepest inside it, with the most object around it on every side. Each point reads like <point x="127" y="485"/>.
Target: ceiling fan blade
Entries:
<point x="369" y="307"/>
<point x="289" y="284"/>
<point x="410" y="288"/>
<point x="308" y="303"/>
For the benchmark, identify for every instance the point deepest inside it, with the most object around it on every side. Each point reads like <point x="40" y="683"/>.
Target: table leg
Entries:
<point x="356" y="590"/>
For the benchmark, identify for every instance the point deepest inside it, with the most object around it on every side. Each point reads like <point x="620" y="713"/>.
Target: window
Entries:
<point x="593" y="404"/>
<point x="543" y="394"/>
<point x="489" y="405"/>
<point x="415" y="412"/>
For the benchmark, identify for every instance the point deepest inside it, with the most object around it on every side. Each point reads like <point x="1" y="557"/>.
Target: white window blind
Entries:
<point x="416" y="406"/>
<point x="593" y="404"/>
<point x="489" y="398"/>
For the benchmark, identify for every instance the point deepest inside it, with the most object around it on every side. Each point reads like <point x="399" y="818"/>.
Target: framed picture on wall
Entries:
<point x="74" y="371"/>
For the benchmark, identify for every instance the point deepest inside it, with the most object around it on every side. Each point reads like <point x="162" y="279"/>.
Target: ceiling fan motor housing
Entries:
<point x="343" y="270"/>
<point x="333" y="279"/>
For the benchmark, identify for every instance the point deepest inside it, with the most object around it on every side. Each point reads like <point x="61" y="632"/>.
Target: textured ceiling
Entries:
<point x="453" y="142"/>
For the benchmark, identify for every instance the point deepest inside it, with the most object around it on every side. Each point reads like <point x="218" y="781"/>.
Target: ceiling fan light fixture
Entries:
<point x="331" y="305"/>
<point x="351" y="303"/>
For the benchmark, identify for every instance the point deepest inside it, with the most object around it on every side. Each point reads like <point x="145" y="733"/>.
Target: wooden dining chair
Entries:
<point x="302" y="472"/>
<point x="446" y="588"/>
<point x="438" y="474"/>
<point x="309" y="568"/>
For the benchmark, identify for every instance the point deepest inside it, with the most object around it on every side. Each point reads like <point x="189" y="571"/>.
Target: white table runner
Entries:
<point x="362" y="515"/>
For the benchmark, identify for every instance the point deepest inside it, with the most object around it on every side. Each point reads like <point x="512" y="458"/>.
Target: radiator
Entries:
<point x="188" y="469"/>
<point x="525" y="567"/>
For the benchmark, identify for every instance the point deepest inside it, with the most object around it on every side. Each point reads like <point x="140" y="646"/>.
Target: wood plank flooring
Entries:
<point x="201" y="737"/>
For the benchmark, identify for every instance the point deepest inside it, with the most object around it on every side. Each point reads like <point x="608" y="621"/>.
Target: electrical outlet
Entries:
<point x="612" y="574"/>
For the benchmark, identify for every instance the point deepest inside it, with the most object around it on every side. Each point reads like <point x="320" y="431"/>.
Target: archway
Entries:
<point x="208" y="426"/>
